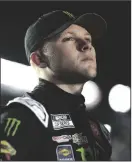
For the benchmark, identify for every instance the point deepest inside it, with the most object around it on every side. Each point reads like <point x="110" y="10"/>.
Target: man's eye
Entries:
<point x="68" y="39"/>
<point x="88" y="40"/>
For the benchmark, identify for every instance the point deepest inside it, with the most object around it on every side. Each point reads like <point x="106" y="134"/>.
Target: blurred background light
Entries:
<point x="119" y="98"/>
<point x="17" y="75"/>
<point x="92" y="94"/>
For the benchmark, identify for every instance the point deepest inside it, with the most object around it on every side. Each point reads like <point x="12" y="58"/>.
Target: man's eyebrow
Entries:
<point x="75" y="34"/>
<point x="87" y="34"/>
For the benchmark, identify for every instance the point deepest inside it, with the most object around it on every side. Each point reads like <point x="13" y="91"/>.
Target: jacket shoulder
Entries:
<point x="26" y="103"/>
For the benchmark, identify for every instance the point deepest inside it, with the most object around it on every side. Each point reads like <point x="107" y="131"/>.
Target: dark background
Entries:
<point x="113" y="53"/>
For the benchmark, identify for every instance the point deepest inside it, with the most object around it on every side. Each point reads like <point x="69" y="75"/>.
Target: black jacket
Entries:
<point x="49" y="124"/>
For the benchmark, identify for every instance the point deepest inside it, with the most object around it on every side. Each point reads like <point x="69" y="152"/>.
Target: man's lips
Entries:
<point x="88" y="59"/>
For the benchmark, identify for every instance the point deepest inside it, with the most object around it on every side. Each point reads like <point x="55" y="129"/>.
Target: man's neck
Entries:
<point x="71" y="88"/>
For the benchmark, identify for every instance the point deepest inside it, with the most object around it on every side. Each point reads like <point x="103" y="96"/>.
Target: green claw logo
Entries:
<point x="12" y="126"/>
<point x="69" y="14"/>
<point x="83" y="153"/>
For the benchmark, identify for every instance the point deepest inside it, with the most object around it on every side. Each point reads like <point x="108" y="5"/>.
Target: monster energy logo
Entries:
<point x="87" y="153"/>
<point x="69" y="14"/>
<point x="12" y="126"/>
<point x="83" y="153"/>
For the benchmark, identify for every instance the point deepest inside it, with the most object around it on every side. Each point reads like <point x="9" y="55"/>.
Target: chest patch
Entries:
<point x="61" y="121"/>
<point x="77" y="138"/>
<point x="64" y="153"/>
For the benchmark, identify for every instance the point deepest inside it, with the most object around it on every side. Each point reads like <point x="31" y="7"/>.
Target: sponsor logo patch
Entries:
<point x="12" y="126"/>
<point x="77" y="138"/>
<point x="61" y="139"/>
<point x="87" y="154"/>
<point x="64" y="152"/>
<point x="7" y="149"/>
<point x="61" y="121"/>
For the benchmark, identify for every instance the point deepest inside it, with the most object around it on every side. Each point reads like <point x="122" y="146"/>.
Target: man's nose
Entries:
<point x="84" y="45"/>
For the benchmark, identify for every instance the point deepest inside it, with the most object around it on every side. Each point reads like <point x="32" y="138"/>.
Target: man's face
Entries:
<point x="72" y="56"/>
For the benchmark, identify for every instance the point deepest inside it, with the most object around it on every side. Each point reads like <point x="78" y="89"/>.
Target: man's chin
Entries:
<point x="93" y="74"/>
<point x="90" y="74"/>
<point x="74" y="78"/>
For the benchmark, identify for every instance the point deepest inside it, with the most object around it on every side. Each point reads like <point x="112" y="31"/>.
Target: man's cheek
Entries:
<point x="93" y="51"/>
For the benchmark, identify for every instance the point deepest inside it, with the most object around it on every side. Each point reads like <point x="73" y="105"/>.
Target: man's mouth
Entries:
<point x="87" y="59"/>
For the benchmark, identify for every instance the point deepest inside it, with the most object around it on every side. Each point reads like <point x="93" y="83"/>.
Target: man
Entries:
<point x="50" y="123"/>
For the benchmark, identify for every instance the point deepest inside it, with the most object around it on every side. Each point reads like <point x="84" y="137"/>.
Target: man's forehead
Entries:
<point x="73" y="29"/>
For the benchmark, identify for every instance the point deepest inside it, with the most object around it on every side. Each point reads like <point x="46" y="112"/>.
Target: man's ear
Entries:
<point x="36" y="59"/>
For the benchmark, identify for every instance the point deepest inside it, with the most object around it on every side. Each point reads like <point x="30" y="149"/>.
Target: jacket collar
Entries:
<point x="50" y="95"/>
